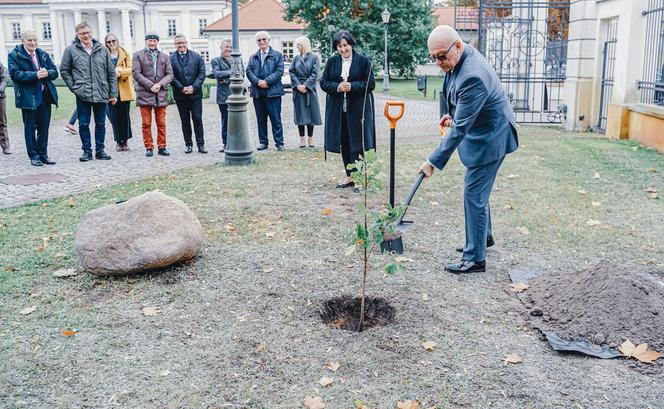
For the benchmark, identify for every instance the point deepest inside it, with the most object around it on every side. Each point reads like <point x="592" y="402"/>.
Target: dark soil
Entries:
<point x="604" y="304"/>
<point x="344" y="312"/>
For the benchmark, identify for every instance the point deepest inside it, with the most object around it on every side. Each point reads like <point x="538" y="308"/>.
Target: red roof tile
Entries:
<point x="467" y="17"/>
<point x="257" y="15"/>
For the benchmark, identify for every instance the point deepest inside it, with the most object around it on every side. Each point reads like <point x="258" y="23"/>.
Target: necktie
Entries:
<point x="262" y="57"/>
<point x="36" y="63"/>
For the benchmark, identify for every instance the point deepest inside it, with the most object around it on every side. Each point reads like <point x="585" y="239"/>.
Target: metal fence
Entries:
<point x="651" y="85"/>
<point x="608" y="70"/>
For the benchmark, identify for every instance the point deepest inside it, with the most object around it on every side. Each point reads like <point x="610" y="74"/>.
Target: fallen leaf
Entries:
<point x="60" y="255"/>
<point x="509" y="207"/>
<point x="325" y="381"/>
<point x="231" y="228"/>
<point x="10" y="269"/>
<point x="44" y="204"/>
<point x="261" y="347"/>
<point x="28" y="310"/>
<point x="596" y="175"/>
<point x="151" y="311"/>
<point x="653" y="195"/>
<point x="425" y="297"/>
<point x="44" y="244"/>
<point x="68" y="333"/>
<point x="402" y="259"/>
<point x="519" y="287"/>
<point x="592" y="223"/>
<point x="326" y="211"/>
<point x="434" y="203"/>
<point x="332" y="366"/>
<point x="268" y="270"/>
<point x="429" y="345"/>
<point x="523" y="230"/>
<point x="639" y="352"/>
<point x="313" y="402"/>
<point x="583" y="192"/>
<point x="65" y="272"/>
<point x="652" y="170"/>
<point x="71" y="202"/>
<point x="270" y="234"/>
<point x="408" y="404"/>
<point x="651" y="190"/>
<point x="596" y="204"/>
<point x="512" y="358"/>
<point x="512" y="176"/>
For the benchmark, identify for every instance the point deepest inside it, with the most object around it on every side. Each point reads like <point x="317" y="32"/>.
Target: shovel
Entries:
<point x="396" y="244"/>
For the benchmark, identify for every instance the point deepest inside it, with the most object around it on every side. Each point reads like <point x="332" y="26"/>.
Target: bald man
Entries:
<point x="482" y="128"/>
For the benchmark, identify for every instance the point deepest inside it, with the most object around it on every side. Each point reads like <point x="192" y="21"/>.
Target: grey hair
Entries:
<point x="81" y="25"/>
<point x="24" y="34"/>
<point x="262" y="33"/>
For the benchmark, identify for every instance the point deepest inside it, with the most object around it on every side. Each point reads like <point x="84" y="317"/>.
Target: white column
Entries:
<point x="186" y="25"/>
<point x="77" y="16"/>
<point x="3" y="49"/>
<point x="126" y="34"/>
<point x="27" y="23"/>
<point x="55" y="39"/>
<point x="101" y="24"/>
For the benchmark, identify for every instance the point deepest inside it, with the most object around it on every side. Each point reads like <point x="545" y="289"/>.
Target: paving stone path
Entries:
<point x="70" y="176"/>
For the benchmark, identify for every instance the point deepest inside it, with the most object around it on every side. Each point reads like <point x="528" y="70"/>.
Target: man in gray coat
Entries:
<point x="482" y="128"/>
<point x="221" y="70"/>
<point x="89" y="72"/>
<point x="153" y="72"/>
<point x="4" y="134"/>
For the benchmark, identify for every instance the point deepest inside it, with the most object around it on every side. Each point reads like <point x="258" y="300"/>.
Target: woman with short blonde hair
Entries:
<point x="118" y="114"/>
<point x="305" y="43"/>
<point x="304" y="78"/>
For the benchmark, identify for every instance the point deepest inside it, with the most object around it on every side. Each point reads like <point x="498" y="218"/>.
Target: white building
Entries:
<point x="54" y="22"/>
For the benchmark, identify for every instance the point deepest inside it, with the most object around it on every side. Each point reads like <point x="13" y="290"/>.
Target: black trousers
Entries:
<point x="118" y="114"/>
<point x="191" y="110"/>
<point x="37" y="120"/>
<point x="348" y="154"/>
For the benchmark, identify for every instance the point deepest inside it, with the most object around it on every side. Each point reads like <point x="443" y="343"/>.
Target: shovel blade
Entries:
<point x="392" y="246"/>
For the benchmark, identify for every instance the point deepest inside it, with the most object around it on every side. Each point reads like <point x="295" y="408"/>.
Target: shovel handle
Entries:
<point x="393" y="119"/>
<point x="409" y="198"/>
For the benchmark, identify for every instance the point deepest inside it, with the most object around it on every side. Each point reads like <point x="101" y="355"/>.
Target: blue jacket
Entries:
<point x="221" y="70"/>
<point x="483" y="126"/>
<point x="271" y="71"/>
<point x="27" y="88"/>
<point x="186" y="72"/>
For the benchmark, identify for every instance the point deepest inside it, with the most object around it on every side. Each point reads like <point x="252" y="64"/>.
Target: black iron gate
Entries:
<point x="526" y="42"/>
<point x="608" y="64"/>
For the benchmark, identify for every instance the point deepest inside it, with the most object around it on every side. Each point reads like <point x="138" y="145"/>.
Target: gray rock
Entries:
<point x="147" y="232"/>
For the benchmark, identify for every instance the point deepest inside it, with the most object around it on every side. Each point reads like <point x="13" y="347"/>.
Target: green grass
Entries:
<point x="66" y="103"/>
<point x="408" y="88"/>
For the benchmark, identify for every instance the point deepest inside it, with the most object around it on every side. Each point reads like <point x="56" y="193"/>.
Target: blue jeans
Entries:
<point x="269" y="107"/>
<point x="85" y="111"/>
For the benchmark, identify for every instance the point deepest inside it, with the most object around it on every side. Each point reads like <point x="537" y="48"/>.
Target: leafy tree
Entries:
<point x="410" y="24"/>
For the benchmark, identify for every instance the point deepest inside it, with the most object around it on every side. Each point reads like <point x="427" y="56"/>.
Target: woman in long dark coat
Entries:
<point x="304" y="76"/>
<point x="347" y="78"/>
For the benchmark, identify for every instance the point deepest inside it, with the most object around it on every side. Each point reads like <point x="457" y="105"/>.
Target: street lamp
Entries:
<point x="238" y="146"/>
<point x="330" y="28"/>
<point x="385" y="15"/>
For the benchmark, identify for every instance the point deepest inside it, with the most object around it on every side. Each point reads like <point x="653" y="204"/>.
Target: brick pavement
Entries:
<point x="418" y="121"/>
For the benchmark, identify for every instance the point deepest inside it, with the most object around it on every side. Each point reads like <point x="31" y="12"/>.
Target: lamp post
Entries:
<point x="330" y="28"/>
<point x="385" y="15"/>
<point x="238" y="146"/>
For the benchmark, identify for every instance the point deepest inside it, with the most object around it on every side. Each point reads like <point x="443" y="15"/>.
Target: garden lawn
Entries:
<point x="66" y="105"/>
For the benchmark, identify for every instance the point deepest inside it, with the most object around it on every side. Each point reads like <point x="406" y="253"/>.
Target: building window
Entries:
<point x="46" y="30"/>
<point x="16" y="31"/>
<point x="131" y="28"/>
<point x="202" y="23"/>
<point x="172" y="29"/>
<point x="287" y="50"/>
<point x="205" y="55"/>
<point x="108" y="26"/>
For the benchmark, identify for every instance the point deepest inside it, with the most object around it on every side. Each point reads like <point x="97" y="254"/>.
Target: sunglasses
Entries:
<point x="111" y="41"/>
<point x="258" y="40"/>
<point x="442" y="56"/>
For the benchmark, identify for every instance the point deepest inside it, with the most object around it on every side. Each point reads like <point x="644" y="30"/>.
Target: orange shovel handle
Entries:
<point x="393" y="119"/>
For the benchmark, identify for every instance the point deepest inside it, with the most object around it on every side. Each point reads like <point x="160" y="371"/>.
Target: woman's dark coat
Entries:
<point x="360" y="76"/>
<point x="304" y="71"/>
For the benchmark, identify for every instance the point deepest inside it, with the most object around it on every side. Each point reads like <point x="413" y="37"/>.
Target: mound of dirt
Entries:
<point x="344" y="312"/>
<point x="604" y="304"/>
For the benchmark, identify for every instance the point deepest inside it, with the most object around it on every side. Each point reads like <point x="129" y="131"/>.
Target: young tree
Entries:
<point x="410" y="24"/>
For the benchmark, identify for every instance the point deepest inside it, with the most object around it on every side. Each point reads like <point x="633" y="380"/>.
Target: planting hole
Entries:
<point x="344" y="312"/>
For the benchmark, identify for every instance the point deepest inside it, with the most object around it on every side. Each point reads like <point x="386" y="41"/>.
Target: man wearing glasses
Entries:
<point x="89" y="72"/>
<point x="482" y="128"/>
<point x="264" y="71"/>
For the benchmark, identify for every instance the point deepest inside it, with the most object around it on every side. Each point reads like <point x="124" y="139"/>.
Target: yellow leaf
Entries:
<point x="325" y="381"/>
<point x="429" y="345"/>
<point x="596" y="204"/>
<point x="512" y="176"/>
<point x="65" y="272"/>
<point x="28" y="310"/>
<point x="231" y="228"/>
<point x="268" y="270"/>
<point x="270" y="234"/>
<point x="512" y="358"/>
<point x="648" y="356"/>
<point x="425" y="297"/>
<point x="313" y="402"/>
<point x="640" y="352"/>
<point x="332" y="366"/>
<point x="71" y="202"/>
<point x="592" y="223"/>
<point x="627" y="348"/>
<point x="408" y="404"/>
<point x="653" y="195"/>
<point x="68" y="333"/>
<point x="519" y="287"/>
<point x="261" y="347"/>
<point x="402" y="259"/>
<point x="651" y="190"/>
<point x="582" y="192"/>
<point x="652" y="170"/>
<point x="44" y="204"/>
<point x="326" y="211"/>
<point x="151" y="311"/>
<point x="509" y="207"/>
<point x="640" y="349"/>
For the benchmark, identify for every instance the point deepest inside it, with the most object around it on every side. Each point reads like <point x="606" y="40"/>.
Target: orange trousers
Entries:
<point x="146" y="126"/>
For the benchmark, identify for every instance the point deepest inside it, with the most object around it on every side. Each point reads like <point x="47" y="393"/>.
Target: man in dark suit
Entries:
<point x="188" y="77"/>
<point x="33" y="73"/>
<point x="221" y="71"/>
<point x="264" y="71"/>
<point x="482" y="127"/>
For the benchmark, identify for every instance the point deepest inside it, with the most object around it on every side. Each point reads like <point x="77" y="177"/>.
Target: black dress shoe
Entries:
<point x="188" y="149"/>
<point x="223" y="149"/>
<point x="345" y="185"/>
<point x="36" y="162"/>
<point x="148" y="153"/>
<point x="46" y="160"/>
<point x="201" y="149"/>
<point x="163" y="152"/>
<point x="465" y="266"/>
<point x="489" y="243"/>
<point x="87" y="155"/>
<point x="261" y="147"/>
<point x="101" y="155"/>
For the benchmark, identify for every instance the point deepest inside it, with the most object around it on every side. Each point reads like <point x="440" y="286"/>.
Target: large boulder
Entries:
<point x="149" y="231"/>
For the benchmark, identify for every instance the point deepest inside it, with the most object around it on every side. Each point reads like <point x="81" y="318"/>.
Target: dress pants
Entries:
<point x="223" y="108"/>
<point x="348" y="155"/>
<point x="191" y="110"/>
<point x="118" y="114"/>
<point x="477" y="186"/>
<point x="37" y="120"/>
<point x="146" y="126"/>
<point x="4" y="134"/>
<point x="269" y="107"/>
<point x="85" y="111"/>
